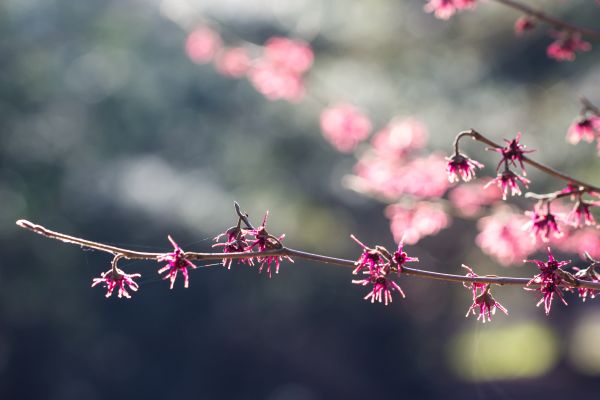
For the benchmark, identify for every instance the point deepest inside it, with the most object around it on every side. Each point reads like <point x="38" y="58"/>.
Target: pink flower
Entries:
<point x="542" y="224"/>
<point x="444" y="9"/>
<point x="588" y="274"/>
<point x="501" y="236"/>
<point x="233" y="62"/>
<point x="512" y="153"/>
<point x="482" y="298"/>
<point x="236" y="243"/>
<point x="550" y="278"/>
<point x="582" y="241"/>
<point x="202" y="45"/>
<point x="413" y="222"/>
<point x="399" y="137"/>
<point x="523" y="24"/>
<point x="344" y="126"/>
<point x="460" y="166"/>
<point x="265" y="242"/>
<point x="586" y="128"/>
<point x="469" y="198"/>
<point x="288" y="54"/>
<point x="566" y="45"/>
<point x="378" y="266"/>
<point x="176" y="262"/>
<point x="117" y="278"/>
<point x="581" y="214"/>
<point x="279" y="73"/>
<point x="508" y="180"/>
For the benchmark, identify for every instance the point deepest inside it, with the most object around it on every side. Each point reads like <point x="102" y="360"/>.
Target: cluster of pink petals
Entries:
<point x="444" y="9"/>
<point x="581" y="241"/>
<point x="550" y="278"/>
<point x="279" y="73"/>
<point x="581" y="214"/>
<point x="482" y="299"/>
<point x="392" y="167"/>
<point x="233" y="62"/>
<point x="543" y="223"/>
<point x="379" y="272"/>
<point x="470" y="198"/>
<point x="566" y="45"/>
<point x="502" y="237"/>
<point x="236" y="243"/>
<point x="508" y="181"/>
<point x="523" y="24"/>
<point x="412" y="222"/>
<point x="344" y="126"/>
<point x="584" y="128"/>
<point x="513" y="153"/>
<point x="112" y="279"/>
<point x="461" y="167"/>
<point x="176" y="262"/>
<point x="264" y="242"/>
<point x="202" y="45"/>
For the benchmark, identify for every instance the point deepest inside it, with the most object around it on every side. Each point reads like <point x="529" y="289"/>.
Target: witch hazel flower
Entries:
<point x="589" y="274"/>
<point x="344" y="126"/>
<point x="566" y="45"/>
<point x="444" y="9"/>
<point x="581" y="215"/>
<point x="176" y="262"/>
<point x="543" y="223"/>
<point x="482" y="298"/>
<point x="524" y="24"/>
<point x="512" y="153"/>
<point x="265" y="242"/>
<point x="585" y="128"/>
<point x="236" y="243"/>
<point x="116" y="278"/>
<point x="508" y="180"/>
<point x="461" y="167"/>
<point x="202" y="45"/>
<point x="549" y="279"/>
<point x="379" y="266"/>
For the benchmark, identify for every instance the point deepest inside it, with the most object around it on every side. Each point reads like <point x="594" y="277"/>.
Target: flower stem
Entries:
<point x="283" y="251"/>
<point x="557" y="23"/>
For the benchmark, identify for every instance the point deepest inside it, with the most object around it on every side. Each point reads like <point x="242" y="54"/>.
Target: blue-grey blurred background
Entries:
<point x="108" y="131"/>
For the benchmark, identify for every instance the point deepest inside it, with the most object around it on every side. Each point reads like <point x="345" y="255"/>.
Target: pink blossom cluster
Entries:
<point x="413" y="221"/>
<point x="379" y="268"/>
<point x="549" y="279"/>
<point x="444" y="9"/>
<point x="482" y="299"/>
<point x="344" y="126"/>
<point x="277" y="71"/>
<point x="586" y="128"/>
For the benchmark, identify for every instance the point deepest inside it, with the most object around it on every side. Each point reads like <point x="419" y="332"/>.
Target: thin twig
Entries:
<point x="540" y="15"/>
<point x="282" y="252"/>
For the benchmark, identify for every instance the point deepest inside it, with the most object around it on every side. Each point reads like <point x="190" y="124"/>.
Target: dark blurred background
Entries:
<point x="108" y="131"/>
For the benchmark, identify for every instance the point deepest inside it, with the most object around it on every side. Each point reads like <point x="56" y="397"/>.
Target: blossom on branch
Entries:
<point x="265" y="242"/>
<point x="236" y="243"/>
<point x="512" y="153"/>
<point x="461" y="167"/>
<point x="584" y="128"/>
<point x="508" y="180"/>
<point x="444" y="9"/>
<point x="566" y="45"/>
<point x="549" y="279"/>
<point x="176" y="262"/>
<point x="588" y="274"/>
<point x="543" y="224"/>
<point x="482" y="298"/>
<point x="114" y="278"/>
<point x="524" y="24"/>
<point x="581" y="215"/>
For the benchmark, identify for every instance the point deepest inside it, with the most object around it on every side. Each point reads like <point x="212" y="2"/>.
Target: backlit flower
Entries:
<point x="542" y="223"/>
<point x="523" y="24"/>
<point x="584" y="128"/>
<point x="236" y="243"/>
<point x="591" y="275"/>
<point x="550" y="278"/>
<point x="461" y="167"/>
<point x="176" y="262"/>
<point x="116" y="278"/>
<point x="581" y="215"/>
<point x="202" y="45"/>
<point x="265" y="242"/>
<point x="513" y="152"/>
<point x="444" y="9"/>
<point x="566" y="45"/>
<point x="508" y="180"/>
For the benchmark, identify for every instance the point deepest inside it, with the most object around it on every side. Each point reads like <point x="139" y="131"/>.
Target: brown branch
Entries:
<point x="557" y="23"/>
<point x="472" y="133"/>
<point x="282" y="252"/>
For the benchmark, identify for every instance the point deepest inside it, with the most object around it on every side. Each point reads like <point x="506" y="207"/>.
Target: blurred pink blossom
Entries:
<point x="278" y="74"/>
<point x="233" y="62"/>
<point x="413" y="222"/>
<point x="469" y="198"/>
<point x="580" y="241"/>
<point x="584" y="129"/>
<point x="444" y="9"/>
<point x="502" y="237"/>
<point x="566" y="45"/>
<point x="399" y="137"/>
<point x="202" y="45"/>
<point x="344" y="126"/>
<point x="523" y="24"/>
